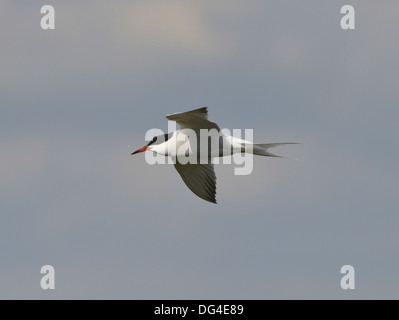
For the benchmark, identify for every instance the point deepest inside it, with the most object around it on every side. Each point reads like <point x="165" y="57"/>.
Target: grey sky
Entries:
<point x="76" y="101"/>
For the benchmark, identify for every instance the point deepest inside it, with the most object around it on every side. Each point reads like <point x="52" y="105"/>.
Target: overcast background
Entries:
<point x="76" y="101"/>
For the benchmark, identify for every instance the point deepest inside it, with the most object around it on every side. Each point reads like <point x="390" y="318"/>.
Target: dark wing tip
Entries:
<point x="210" y="199"/>
<point x="200" y="110"/>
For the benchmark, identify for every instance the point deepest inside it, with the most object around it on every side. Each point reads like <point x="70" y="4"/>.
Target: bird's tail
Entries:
<point x="260" y="149"/>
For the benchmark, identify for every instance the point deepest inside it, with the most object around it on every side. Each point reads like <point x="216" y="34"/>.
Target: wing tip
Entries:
<point x="199" y="110"/>
<point x="209" y="198"/>
<point x="212" y="200"/>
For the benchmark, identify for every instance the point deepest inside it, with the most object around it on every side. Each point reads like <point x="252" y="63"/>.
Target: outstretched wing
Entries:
<point x="200" y="179"/>
<point x="194" y="119"/>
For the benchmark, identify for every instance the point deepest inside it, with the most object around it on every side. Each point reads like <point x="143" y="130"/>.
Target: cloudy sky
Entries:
<point x="77" y="100"/>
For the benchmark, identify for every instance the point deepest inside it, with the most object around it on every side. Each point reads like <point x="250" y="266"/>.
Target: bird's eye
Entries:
<point x="152" y="141"/>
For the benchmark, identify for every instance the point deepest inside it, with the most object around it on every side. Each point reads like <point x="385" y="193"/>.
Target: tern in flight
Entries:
<point x="197" y="170"/>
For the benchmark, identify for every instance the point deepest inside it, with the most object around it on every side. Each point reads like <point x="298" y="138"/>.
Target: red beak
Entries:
<point x="141" y="150"/>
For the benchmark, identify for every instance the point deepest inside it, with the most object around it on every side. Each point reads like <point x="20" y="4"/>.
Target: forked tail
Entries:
<point x="260" y="149"/>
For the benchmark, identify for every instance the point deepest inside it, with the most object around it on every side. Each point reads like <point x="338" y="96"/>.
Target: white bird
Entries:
<point x="197" y="170"/>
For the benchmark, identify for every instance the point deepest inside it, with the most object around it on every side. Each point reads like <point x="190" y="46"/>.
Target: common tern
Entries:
<point x="197" y="170"/>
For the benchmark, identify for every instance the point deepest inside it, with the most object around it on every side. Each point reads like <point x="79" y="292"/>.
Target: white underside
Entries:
<point x="184" y="144"/>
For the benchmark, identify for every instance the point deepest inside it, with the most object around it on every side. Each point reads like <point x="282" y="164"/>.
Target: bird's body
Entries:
<point x="195" y="144"/>
<point x="187" y="143"/>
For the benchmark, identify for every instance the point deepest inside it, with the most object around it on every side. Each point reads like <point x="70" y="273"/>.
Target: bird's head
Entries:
<point x="142" y="150"/>
<point x="147" y="147"/>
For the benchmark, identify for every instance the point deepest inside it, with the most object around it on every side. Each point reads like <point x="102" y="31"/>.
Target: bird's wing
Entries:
<point x="194" y="119"/>
<point x="200" y="179"/>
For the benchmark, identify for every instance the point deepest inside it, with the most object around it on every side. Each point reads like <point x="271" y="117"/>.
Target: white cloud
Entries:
<point x="97" y="45"/>
<point x="170" y="28"/>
